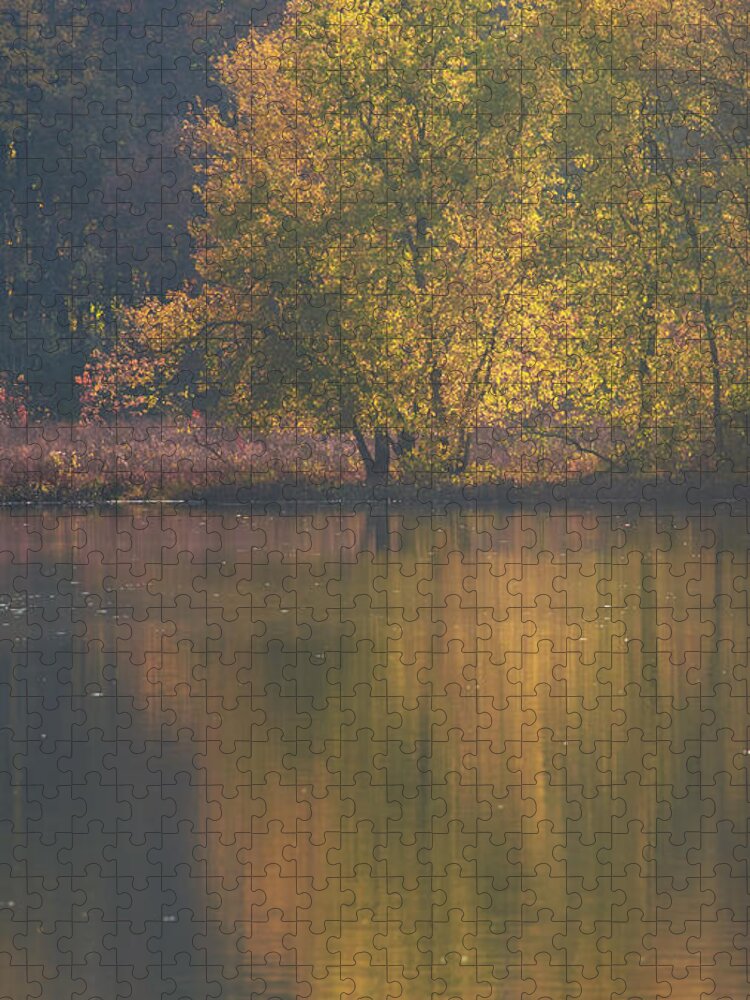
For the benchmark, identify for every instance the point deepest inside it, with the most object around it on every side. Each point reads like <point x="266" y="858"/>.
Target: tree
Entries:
<point x="374" y="213"/>
<point x="655" y="146"/>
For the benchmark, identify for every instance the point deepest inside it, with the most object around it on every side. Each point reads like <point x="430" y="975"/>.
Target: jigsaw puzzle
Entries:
<point x="374" y="426"/>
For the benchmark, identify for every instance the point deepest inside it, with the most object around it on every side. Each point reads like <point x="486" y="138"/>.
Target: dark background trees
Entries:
<point x="96" y="182"/>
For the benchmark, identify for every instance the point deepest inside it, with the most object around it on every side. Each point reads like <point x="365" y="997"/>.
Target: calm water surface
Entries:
<point x="334" y="755"/>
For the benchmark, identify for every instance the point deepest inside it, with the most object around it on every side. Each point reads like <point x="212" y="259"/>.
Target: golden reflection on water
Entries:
<point x="339" y="755"/>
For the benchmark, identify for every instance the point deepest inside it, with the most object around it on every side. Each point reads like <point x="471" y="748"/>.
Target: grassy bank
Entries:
<point x="148" y="461"/>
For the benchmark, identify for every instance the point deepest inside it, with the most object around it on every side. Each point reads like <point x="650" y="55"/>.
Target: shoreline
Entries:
<point x="605" y="492"/>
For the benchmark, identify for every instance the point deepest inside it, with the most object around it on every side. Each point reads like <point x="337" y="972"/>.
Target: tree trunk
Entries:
<point x="716" y="390"/>
<point x="378" y="461"/>
<point x="713" y="347"/>
<point x="647" y="355"/>
<point x="463" y="453"/>
<point x="381" y="465"/>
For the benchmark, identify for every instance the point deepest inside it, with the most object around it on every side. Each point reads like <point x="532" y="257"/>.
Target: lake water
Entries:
<point x="334" y="754"/>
